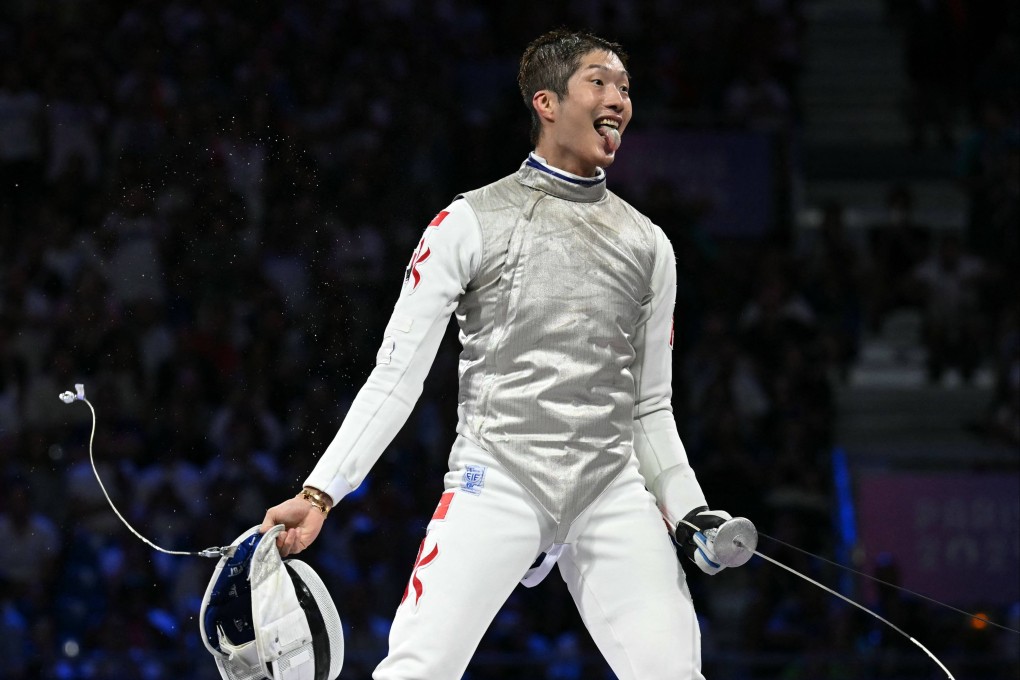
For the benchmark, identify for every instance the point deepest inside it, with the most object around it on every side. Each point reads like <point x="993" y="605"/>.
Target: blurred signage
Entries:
<point x="954" y="537"/>
<point x="728" y="171"/>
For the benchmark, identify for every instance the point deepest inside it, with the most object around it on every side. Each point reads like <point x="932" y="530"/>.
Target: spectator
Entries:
<point x="833" y="275"/>
<point x="896" y="247"/>
<point x="21" y="141"/>
<point x="758" y="101"/>
<point x="31" y="545"/>
<point x="932" y="57"/>
<point x="989" y="169"/>
<point x="1001" y="421"/>
<point x="948" y="285"/>
<point x="76" y="122"/>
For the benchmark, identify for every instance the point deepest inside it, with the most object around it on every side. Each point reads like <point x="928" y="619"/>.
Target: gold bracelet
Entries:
<point x="316" y="498"/>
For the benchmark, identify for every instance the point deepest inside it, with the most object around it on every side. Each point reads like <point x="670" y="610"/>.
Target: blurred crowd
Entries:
<point x="963" y="64"/>
<point x="206" y="211"/>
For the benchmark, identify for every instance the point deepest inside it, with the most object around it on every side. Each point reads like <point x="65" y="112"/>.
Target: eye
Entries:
<point x="598" y="81"/>
<point x="625" y="89"/>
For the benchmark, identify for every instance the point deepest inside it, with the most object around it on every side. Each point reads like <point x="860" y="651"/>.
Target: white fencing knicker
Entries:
<point x="618" y="563"/>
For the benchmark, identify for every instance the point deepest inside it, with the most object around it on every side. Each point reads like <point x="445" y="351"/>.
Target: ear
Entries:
<point x="546" y="104"/>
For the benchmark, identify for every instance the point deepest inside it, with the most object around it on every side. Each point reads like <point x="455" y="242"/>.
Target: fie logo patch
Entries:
<point x="474" y="479"/>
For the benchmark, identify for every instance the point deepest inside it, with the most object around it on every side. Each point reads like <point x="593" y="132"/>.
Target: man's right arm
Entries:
<point x="445" y="261"/>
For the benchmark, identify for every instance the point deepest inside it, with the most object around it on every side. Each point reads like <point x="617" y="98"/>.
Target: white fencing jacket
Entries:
<point x="564" y="294"/>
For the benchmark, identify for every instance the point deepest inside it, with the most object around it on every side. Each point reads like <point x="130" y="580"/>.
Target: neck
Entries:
<point x="536" y="173"/>
<point x="566" y="163"/>
<point x="560" y="159"/>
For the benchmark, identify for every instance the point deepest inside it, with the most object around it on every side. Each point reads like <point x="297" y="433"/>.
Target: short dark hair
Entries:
<point x="550" y="60"/>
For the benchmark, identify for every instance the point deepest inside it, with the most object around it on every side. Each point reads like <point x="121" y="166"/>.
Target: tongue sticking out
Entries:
<point x="612" y="137"/>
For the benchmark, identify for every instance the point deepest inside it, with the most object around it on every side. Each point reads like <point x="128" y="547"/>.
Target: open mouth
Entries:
<point x="609" y="129"/>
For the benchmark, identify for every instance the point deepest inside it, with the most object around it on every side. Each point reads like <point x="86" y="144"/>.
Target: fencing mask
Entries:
<point x="262" y="618"/>
<point x="266" y="618"/>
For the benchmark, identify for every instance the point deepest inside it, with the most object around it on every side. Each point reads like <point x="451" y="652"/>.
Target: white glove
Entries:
<point x="695" y="536"/>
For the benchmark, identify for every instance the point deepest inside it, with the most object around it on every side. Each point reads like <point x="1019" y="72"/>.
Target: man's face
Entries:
<point x="581" y="137"/>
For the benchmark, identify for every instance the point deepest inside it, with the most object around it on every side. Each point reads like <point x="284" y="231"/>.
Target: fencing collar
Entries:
<point x="264" y="618"/>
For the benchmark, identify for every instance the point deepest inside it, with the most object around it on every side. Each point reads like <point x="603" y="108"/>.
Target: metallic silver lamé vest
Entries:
<point x="546" y="326"/>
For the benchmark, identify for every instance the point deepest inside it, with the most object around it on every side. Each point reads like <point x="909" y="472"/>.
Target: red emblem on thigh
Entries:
<point x="420" y="563"/>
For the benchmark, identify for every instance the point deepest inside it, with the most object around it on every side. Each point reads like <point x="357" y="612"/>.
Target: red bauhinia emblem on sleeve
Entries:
<point x="419" y="258"/>
<point x="419" y="563"/>
<point x="421" y="254"/>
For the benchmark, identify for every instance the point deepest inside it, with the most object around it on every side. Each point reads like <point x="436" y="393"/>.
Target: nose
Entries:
<point x="613" y="99"/>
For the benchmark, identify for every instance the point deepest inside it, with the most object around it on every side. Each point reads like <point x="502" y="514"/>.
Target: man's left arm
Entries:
<point x="660" y="452"/>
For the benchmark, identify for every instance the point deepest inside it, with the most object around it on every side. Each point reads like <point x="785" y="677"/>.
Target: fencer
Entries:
<point x="567" y="452"/>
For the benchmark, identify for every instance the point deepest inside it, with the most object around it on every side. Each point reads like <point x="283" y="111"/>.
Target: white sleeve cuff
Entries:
<point x="678" y="492"/>
<point x="336" y="488"/>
